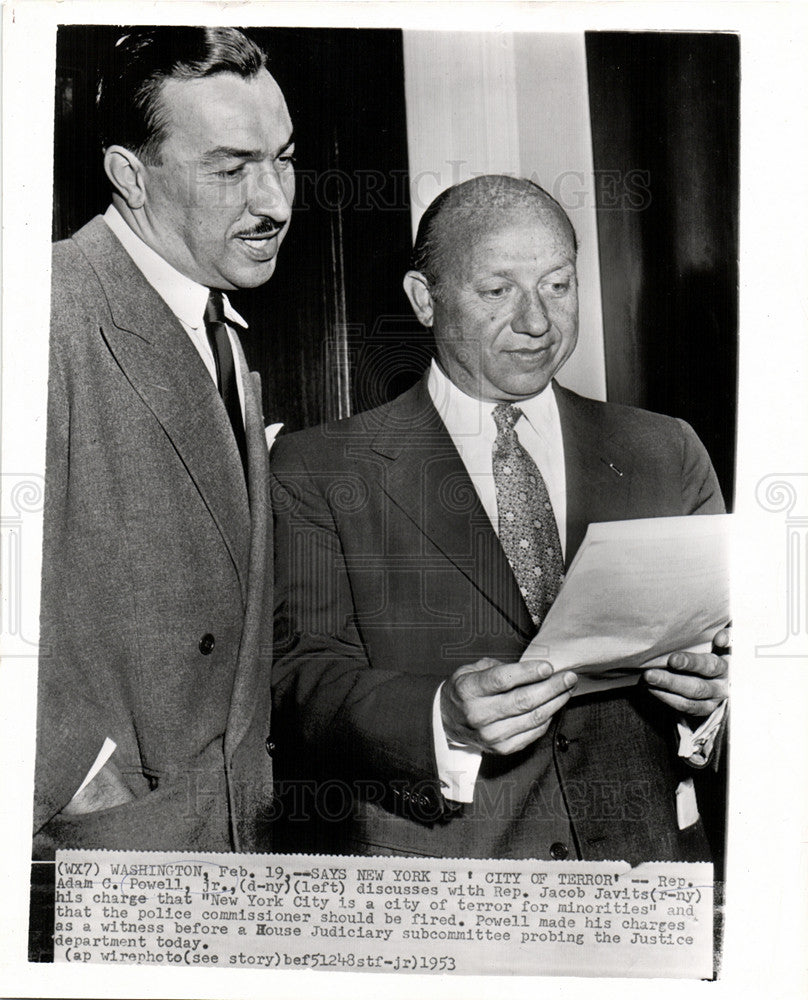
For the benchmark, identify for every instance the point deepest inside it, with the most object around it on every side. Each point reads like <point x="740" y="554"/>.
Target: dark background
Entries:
<point x="332" y="332"/>
<point x="667" y="105"/>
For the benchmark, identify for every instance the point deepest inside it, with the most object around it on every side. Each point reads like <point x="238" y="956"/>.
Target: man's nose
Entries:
<point x="271" y="196"/>
<point x="531" y="316"/>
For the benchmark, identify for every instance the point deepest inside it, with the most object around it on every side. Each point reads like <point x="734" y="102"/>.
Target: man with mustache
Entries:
<point x="153" y="707"/>
<point x="420" y="545"/>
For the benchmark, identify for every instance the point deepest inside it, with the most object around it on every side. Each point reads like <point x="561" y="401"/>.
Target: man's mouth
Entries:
<point x="529" y="353"/>
<point x="257" y="241"/>
<point x="259" y="245"/>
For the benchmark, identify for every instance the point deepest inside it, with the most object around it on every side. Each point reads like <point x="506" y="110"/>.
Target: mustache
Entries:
<point x="265" y="228"/>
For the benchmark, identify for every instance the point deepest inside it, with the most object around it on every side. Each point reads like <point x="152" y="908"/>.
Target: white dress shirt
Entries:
<point x="185" y="298"/>
<point x="470" y="423"/>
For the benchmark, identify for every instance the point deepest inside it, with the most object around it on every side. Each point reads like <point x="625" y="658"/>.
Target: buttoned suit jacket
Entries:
<point x="156" y="576"/>
<point x="389" y="576"/>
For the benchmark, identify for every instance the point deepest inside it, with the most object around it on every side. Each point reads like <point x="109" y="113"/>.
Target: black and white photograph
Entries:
<point x="400" y="514"/>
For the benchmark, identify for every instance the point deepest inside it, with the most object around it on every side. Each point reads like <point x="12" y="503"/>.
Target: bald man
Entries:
<point x="419" y="547"/>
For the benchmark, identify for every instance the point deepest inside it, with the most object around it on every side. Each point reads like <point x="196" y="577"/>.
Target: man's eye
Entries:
<point x="558" y="287"/>
<point x="495" y="293"/>
<point x="287" y="159"/>
<point x="232" y="172"/>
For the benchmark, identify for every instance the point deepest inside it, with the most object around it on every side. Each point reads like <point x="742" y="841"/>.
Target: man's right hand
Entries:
<point x="107" y="789"/>
<point x="502" y="707"/>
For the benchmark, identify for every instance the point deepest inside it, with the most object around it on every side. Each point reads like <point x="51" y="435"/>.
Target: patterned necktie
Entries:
<point x="527" y="526"/>
<point x="225" y="369"/>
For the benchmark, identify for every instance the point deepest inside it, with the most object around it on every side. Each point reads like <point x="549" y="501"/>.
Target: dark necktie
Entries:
<point x="225" y="369"/>
<point x="527" y="526"/>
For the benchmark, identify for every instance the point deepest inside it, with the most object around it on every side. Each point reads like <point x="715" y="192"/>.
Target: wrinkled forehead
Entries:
<point x="469" y="233"/>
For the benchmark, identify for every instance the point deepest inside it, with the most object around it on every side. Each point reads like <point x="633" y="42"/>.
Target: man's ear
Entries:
<point x="126" y="174"/>
<point x="417" y="288"/>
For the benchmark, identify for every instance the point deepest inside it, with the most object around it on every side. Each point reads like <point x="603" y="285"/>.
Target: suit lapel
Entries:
<point x="598" y="468"/>
<point x="427" y="480"/>
<point x="253" y="656"/>
<point x="163" y="367"/>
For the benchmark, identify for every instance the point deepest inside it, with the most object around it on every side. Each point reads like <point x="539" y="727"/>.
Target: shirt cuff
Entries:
<point x="696" y="746"/>
<point x="458" y="765"/>
<point x="107" y="750"/>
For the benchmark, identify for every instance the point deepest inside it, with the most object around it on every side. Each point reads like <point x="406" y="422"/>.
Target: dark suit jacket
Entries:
<point x="389" y="577"/>
<point x="156" y="583"/>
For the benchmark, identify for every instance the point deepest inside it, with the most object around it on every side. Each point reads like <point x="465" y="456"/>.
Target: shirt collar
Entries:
<point x="185" y="298"/>
<point x="464" y="415"/>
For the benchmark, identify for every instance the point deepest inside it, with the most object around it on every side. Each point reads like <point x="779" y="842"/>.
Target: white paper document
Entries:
<point x="636" y="592"/>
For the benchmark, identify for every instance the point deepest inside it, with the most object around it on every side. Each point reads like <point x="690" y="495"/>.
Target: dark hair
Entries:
<point x="480" y="199"/>
<point x="128" y="97"/>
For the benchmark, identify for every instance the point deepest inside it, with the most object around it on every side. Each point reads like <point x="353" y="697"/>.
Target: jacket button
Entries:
<point x="558" y="851"/>
<point x="270" y="746"/>
<point x="562" y="743"/>
<point x="206" y="644"/>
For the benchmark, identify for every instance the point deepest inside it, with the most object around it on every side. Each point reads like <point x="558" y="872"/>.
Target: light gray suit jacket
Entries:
<point x="156" y="573"/>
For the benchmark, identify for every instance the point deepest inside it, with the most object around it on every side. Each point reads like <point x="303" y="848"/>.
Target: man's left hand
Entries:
<point x="693" y="683"/>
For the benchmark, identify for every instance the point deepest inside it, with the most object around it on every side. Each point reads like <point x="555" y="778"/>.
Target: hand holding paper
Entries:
<point x="693" y="683"/>
<point x="502" y="707"/>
